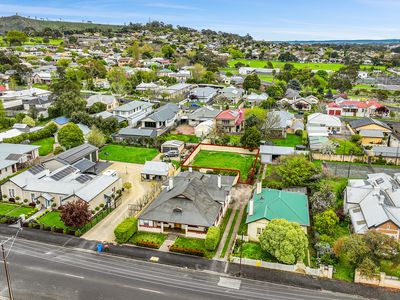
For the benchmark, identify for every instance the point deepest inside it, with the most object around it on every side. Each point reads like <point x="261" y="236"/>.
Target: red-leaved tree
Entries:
<point x="76" y="213"/>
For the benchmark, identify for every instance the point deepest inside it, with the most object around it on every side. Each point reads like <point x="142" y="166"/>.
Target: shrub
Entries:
<point x="147" y="244"/>
<point x="102" y="205"/>
<point x="58" y="150"/>
<point x="212" y="238"/>
<point x="46" y="132"/>
<point x="26" y="200"/>
<point x="124" y="231"/>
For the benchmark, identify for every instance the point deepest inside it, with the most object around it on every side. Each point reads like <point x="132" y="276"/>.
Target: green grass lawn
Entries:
<point x="193" y="243"/>
<point x="182" y="137"/>
<point x="346" y="147"/>
<point x="14" y="210"/>
<point x="267" y="78"/>
<point x="344" y="271"/>
<point x="229" y="237"/>
<point x="6" y="208"/>
<point x="364" y="87"/>
<point x="253" y="250"/>
<point x="150" y="237"/>
<point x="127" y="154"/>
<point x="52" y="219"/>
<point x="225" y="160"/>
<point x="254" y="63"/>
<point x="291" y="141"/>
<point x="46" y="146"/>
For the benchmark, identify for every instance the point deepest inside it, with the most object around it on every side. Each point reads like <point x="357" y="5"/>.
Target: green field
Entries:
<point x="34" y="41"/>
<point x="225" y="160"/>
<point x="291" y="141"/>
<point x="278" y="64"/>
<point x="186" y="138"/>
<point x="127" y="154"/>
<point x="46" y="146"/>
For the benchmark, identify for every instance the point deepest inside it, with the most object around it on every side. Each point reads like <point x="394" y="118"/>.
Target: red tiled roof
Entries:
<point x="3" y="88"/>
<point x="358" y="104"/>
<point x="232" y="115"/>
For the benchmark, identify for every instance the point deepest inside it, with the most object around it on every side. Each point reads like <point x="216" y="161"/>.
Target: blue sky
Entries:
<point x="263" y="19"/>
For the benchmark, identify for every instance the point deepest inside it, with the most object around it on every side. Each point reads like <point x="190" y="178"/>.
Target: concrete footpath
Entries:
<point x="198" y="263"/>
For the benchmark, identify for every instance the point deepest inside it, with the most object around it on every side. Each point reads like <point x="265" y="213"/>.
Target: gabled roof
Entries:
<point x="137" y="132"/>
<point x="75" y="154"/>
<point x="368" y="121"/>
<point x="204" y="112"/>
<point x="132" y="105"/>
<point x="164" y="113"/>
<point x="273" y="204"/>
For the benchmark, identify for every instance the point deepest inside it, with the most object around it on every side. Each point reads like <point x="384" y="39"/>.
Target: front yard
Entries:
<point x="15" y="210"/>
<point x="253" y="250"/>
<point x="225" y="160"/>
<point x="127" y="154"/>
<point x="51" y="219"/>
<point x="148" y="239"/>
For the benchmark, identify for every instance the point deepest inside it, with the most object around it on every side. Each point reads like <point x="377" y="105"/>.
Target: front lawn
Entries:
<point x="148" y="239"/>
<point x="253" y="250"/>
<point x="225" y="160"/>
<point x="127" y="154"/>
<point x="51" y="219"/>
<point x="344" y="271"/>
<point x="186" y="138"/>
<point x="21" y="210"/>
<point x="191" y="246"/>
<point x="46" y="146"/>
<point x="291" y="141"/>
<point x="6" y="208"/>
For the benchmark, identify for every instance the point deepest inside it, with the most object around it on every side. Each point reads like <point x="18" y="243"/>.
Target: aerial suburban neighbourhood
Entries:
<point x="170" y="162"/>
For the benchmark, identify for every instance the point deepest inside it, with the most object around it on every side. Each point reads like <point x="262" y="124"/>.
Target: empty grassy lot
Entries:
<point x="127" y="154"/>
<point x="225" y="160"/>
<point x="291" y="141"/>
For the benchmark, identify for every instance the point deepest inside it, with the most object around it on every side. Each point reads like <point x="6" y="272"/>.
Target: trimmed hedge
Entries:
<point x="124" y="231"/>
<point x="212" y="238"/>
<point x="46" y="132"/>
<point x="147" y="244"/>
<point x="190" y="251"/>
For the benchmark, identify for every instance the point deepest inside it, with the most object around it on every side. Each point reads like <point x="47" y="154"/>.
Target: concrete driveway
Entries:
<point x="104" y="231"/>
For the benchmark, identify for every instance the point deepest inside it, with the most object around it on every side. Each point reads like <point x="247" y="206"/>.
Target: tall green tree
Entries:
<point x="251" y="137"/>
<point x="15" y="37"/>
<point x="284" y="240"/>
<point x="70" y="136"/>
<point x="252" y="81"/>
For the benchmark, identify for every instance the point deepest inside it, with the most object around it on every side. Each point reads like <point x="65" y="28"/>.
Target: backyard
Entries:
<point x="291" y="141"/>
<point x="127" y="154"/>
<point x="225" y="160"/>
<point x="347" y="147"/>
<point x="46" y="146"/>
<point x="181" y="137"/>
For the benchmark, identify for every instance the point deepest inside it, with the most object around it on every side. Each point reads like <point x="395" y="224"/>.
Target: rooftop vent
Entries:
<point x="177" y="210"/>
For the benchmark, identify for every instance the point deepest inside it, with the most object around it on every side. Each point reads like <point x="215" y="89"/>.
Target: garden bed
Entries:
<point x="148" y="239"/>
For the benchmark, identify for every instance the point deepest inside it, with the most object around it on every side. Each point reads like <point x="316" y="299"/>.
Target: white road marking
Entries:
<point x="151" y="291"/>
<point x="75" y="276"/>
<point x="229" y="283"/>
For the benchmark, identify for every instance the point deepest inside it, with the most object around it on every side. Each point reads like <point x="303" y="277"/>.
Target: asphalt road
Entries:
<point x="42" y="271"/>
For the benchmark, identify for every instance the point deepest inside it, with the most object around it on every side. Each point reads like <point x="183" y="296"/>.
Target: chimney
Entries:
<point x="219" y="181"/>
<point x="259" y="186"/>
<point x="251" y="207"/>
<point x="170" y="183"/>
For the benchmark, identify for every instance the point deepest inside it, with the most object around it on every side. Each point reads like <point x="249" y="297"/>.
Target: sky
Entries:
<point x="263" y="19"/>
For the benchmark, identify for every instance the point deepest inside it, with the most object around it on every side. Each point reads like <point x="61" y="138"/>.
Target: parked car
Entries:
<point x="172" y="153"/>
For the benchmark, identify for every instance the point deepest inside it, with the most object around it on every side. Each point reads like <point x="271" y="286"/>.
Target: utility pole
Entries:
<point x="7" y="273"/>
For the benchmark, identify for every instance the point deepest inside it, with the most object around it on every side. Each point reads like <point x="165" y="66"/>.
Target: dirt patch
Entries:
<point x="184" y="129"/>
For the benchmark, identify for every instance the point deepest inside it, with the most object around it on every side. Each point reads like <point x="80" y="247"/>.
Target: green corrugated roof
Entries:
<point x="276" y="204"/>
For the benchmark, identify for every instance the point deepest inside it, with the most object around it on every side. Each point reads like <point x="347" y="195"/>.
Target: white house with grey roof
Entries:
<point x="203" y="94"/>
<point x="133" y="111"/>
<point x="16" y="156"/>
<point x="202" y="114"/>
<point x="189" y="204"/>
<point x="63" y="179"/>
<point x="374" y="204"/>
<point x="163" y="117"/>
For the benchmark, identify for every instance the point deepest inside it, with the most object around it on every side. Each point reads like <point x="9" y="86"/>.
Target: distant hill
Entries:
<point x="19" y="23"/>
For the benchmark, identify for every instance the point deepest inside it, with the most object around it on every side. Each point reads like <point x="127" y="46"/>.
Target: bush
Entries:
<point x="212" y="238"/>
<point x="124" y="231"/>
<point x="58" y="150"/>
<point x="147" y="244"/>
<point x="46" y="132"/>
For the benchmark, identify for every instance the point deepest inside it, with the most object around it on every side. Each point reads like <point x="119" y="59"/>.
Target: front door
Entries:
<point x="178" y="226"/>
<point x="47" y="203"/>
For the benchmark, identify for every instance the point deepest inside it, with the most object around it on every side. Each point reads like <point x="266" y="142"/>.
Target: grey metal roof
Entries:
<point x="137" y="132"/>
<point x="75" y="154"/>
<point x="164" y="113"/>
<point x="156" y="168"/>
<point x="367" y="121"/>
<point x="204" y="112"/>
<point x="371" y="133"/>
<point x="132" y="105"/>
<point x="84" y="164"/>
<point x="195" y="199"/>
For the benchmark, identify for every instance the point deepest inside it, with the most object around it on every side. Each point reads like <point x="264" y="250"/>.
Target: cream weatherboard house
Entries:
<point x="270" y="204"/>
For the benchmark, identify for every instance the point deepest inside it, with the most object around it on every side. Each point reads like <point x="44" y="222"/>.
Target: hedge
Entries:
<point x="212" y="238"/>
<point x="46" y="132"/>
<point x="124" y="231"/>
<point x="190" y="251"/>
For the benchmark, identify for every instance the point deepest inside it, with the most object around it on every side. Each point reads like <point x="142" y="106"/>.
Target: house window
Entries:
<point x="6" y="169"/>
<point x="259" y="230"/>
<point x="225" y="122"/>
<point x="11" y="192"/>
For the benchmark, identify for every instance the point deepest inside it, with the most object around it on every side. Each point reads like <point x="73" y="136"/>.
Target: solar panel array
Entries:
<point x="36" y="169"/>
<point x="63" y="173"/>
<point x="83" y="178"/>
